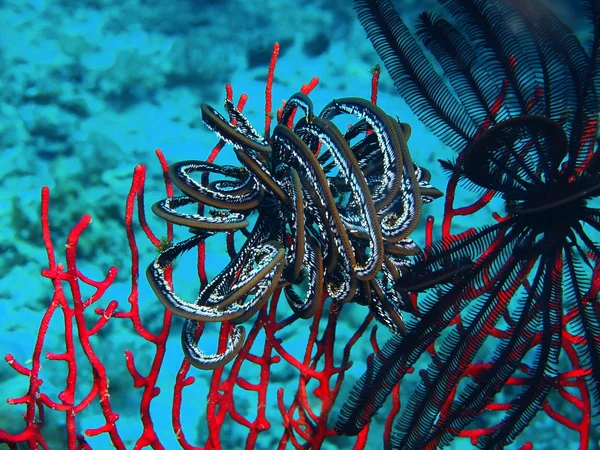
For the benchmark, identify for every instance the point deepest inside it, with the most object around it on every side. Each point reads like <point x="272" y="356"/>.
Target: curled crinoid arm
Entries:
<point x="256" y="281"/>
<point x="205" y="361"/>
<point x="366" y="217"/>
<point x="298" y="100"/>
<point x="298" y="155"/>
<point x="305" y="303"/>
<point x="168" y="209"/>
<point x="390" y="146"/>
<point x="241" y="136"/>
<point x="296" y="221"/>
<point x="428" y="192"/>
<point x="213" y="305"/>
<point x="242" y="195"/>
<point x="156" y="277"/>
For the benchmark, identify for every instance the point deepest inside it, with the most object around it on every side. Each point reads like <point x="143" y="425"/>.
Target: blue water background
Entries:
<point x="88" y="90"/>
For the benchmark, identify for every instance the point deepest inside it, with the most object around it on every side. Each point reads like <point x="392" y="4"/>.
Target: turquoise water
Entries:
<point x="89" y="90"/>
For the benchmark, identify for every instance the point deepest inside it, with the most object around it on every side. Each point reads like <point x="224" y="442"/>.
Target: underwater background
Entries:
<point x="89" y="89"/>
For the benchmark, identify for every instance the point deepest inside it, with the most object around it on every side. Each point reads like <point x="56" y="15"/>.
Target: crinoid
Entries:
<point x="519" y="103"/>
<point x="331" y="216"/>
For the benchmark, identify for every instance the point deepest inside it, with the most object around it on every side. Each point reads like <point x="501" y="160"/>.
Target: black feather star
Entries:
<point x="519" y="102"/>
